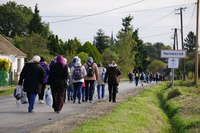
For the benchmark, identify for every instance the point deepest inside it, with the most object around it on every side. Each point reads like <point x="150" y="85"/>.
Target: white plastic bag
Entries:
<point x="48" y="97"/>
<point x="18" y="94"/>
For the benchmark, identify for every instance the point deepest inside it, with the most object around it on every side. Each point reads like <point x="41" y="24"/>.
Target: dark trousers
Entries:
<point x="112" y="92"/>
<point x="58" y="93"/>
<point x="89" y="90"/>
<point x="41" y="95"/>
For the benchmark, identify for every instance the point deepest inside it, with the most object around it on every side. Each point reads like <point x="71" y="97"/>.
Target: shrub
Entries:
<point x="174" y="93"/>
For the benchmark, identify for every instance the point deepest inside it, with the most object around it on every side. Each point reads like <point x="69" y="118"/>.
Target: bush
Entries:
<point x="4" y="65"/>
<point x="174" y="93"/>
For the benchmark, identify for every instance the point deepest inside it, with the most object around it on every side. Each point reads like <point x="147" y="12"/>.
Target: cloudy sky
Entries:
<point x="155" y="19"/>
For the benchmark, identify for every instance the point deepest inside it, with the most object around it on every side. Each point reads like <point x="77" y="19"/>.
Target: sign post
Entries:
<point x="173" y="59"/>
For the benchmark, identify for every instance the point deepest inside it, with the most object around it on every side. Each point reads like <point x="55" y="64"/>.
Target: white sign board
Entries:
<point x="173" y="53"/>
<point x="173" y="62"/>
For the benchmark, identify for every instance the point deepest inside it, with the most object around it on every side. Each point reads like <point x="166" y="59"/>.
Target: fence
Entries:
<point x="8" y="78"/>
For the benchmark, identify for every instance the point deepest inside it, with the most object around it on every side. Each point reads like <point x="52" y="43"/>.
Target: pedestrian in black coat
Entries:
<point x="32" y="78"/>
<point x="58" y="77"/>
<point x="112" y="77"/>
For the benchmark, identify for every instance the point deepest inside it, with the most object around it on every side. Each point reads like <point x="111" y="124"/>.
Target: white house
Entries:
<point x="12" y="54"/>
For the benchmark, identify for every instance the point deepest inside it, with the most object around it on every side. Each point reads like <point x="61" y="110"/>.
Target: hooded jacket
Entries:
<point x="32" y="78"/>
<point x="112" y="74"/>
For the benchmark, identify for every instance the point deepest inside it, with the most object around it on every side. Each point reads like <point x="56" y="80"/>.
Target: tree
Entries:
<point x="190" y="42"/>
<point x="151" y="51"/>
<point x="124" y="47"/>
<point x="101" y="41"/>
<point x="14" y="19"/>
<point x="33" y="45"/>
<point x="141" y="57"/>
<point x="107" y="56"/>
<point x="36" y="26"/>
<point x="155" y="65"/>
<point x="91" y="50"/>
<point x="72" y="46"/>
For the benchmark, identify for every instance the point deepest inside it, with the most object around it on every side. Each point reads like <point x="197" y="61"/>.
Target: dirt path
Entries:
<point x="69" y="123"/>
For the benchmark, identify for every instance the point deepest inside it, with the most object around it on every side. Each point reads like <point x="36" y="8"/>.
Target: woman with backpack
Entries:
<point x="90" y="78"/>
<point x="77" y="78"/>
<point x="100" y="82"/>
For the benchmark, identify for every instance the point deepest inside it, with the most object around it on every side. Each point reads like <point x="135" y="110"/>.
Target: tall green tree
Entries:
<point x="101" y="41"/>
<point x="190" y="42"/>
<point x="36" y="25"/>
<point x="141" y="57"/>
<point x="125" y="47"/>
<point x="151" y="51"/>
<point x="14" y="19"/>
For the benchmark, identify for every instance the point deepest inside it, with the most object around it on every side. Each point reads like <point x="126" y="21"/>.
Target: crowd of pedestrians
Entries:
<point x="142" y="77"/>
<point x="74" y="82"/>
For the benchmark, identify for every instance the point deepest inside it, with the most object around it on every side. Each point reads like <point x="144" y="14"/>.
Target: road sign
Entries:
<point x="173" y="53"/>
<point x="173" y="62"/>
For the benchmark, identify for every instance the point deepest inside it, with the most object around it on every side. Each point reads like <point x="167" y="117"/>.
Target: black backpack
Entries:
<point x="90" y="72"/>
<point x="77" y="74"/>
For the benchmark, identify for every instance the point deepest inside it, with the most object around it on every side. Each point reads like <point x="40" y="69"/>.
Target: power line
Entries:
<point x="94" y="14"/>
<point x="154" y="22"/>
<point x="158" y="35"/>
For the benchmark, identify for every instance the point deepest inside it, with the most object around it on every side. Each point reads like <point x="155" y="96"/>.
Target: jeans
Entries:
<point x="31" y="101"/>
<point x="83" y="93"/>
<point x="101" y="91"/>
<point x="70" y="91"/>
<point x="89" y="90"/>
<point x="77" y="90"/>
<point x="136" y="81"/>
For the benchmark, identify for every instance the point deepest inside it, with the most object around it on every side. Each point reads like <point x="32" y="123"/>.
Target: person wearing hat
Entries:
<point x="77" y="74"/>
<point x="46" y="72"/>
<point x="90" y="79"/>
<point x="32" y="79"/>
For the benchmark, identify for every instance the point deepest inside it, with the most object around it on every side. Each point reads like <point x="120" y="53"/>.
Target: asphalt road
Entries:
<point x="18" y="120"/>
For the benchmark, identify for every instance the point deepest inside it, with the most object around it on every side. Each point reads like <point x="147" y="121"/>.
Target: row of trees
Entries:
<point x="34" y="37"/>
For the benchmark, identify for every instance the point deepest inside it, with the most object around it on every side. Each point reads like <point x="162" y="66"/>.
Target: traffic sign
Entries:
<point x="173" y="53"/>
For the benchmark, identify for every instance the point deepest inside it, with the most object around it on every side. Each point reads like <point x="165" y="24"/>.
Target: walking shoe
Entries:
<point x="30" y="111"/>
<point x="41" y="101"/>
<point x="79" y="102"/>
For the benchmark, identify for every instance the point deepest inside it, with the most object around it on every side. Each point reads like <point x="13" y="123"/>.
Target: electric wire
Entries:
<point x="94" y="14"/>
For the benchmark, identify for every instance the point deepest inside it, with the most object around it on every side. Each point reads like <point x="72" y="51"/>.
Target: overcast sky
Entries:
<point x="155" y="19"/>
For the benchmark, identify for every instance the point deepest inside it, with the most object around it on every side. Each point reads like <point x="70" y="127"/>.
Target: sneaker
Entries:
<point x="90" y="101"/>
<point x="30" y="111"/>
<point x="41" y="101"/>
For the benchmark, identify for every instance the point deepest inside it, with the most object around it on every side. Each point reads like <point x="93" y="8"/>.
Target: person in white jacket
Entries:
<point x="77" y="74"/>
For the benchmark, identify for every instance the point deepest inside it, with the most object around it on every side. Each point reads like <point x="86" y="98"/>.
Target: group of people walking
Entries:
<point x="77" y="79"/>
<point x="142" y="77"/>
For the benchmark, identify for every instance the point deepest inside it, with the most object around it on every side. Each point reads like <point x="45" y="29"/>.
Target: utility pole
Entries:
<point x="197" y="45"/>
<point x="182" y="43"/>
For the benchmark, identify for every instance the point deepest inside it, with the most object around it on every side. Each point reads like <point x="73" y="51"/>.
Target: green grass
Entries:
<point x="139" y="114"/>
<point x="7" y="91"/>
<point x="152" y="111"/>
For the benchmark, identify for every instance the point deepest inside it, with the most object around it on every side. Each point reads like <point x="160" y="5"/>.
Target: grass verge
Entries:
<point x="7" y="91"/>
<point x="156" y="110"/>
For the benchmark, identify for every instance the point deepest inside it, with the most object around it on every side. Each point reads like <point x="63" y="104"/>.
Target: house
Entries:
<point x="12" y="54"/>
